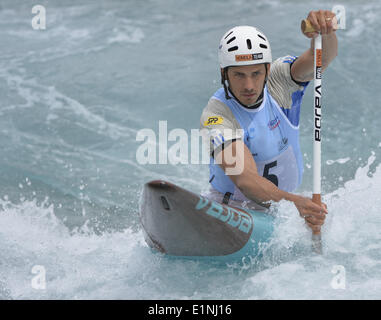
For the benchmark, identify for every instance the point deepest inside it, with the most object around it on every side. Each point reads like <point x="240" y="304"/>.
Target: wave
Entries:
<point x="81" y="264"/>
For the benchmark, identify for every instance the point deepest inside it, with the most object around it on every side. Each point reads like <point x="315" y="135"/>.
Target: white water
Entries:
<point x="82" y="265"/>
<point x="74" y="96"/>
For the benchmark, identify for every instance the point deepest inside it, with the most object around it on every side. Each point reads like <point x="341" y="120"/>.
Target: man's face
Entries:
<point x="246" y="82"/>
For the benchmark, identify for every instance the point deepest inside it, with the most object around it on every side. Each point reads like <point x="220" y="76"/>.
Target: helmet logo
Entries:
<point x="248" y="57"/>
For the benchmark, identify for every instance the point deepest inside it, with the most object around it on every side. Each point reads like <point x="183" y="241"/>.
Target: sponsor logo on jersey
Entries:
<point x="282" y="144"/>
<point x="273" y="123"/>
<point x="213" y="120"/>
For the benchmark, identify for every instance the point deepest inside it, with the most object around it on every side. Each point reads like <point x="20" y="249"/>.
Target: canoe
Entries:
<point x="180" y="223"/>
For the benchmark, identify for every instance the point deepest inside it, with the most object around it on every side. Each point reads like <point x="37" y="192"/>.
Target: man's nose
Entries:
<point x="249" y="84"/>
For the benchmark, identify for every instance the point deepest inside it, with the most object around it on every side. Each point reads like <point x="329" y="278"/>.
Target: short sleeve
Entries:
<point x="285" y="90"/>
<point x="280" y="83"/>
<point x="219" y="124"/>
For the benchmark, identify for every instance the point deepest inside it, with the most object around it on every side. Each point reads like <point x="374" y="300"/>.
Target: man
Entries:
<point x="262" y="99"/>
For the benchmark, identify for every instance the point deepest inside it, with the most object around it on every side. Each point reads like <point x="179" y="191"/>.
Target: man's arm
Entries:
<point x="303" y="68"/>
<point x="258" y="188"/>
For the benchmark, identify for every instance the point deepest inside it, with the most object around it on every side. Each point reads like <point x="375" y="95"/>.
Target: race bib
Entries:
<point x="281" y="170"/>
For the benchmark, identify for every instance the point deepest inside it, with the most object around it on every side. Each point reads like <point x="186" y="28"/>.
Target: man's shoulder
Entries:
<point x="217" y="114"/>
<point x="215" y="108"/>
<point x="281" y="69"/>
<point x="282" y="66"/>
<point x="215" y="105"/>
<point x="285" y="59"/>
<point x="280" y="83"/>
<point x="220" y="123"/>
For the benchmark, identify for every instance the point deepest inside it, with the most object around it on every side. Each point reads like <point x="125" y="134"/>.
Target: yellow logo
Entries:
<point x="213" y="121"/>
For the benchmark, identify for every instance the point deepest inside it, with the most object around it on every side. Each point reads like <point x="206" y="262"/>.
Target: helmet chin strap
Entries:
<point x="259" y="101"/>
<point x="225" y="79"/>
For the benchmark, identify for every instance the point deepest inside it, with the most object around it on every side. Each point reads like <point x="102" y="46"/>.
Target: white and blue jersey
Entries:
<point x="270" y="132"/>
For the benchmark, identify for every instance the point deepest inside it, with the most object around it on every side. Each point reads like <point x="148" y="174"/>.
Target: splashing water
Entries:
<point x="75" y="95"/>
<point x="80" y="264"/>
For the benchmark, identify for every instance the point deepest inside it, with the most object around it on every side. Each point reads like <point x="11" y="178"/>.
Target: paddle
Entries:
<point x="316" y="193"/>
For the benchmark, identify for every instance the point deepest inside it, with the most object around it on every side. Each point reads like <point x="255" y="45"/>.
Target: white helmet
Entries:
<point x="244" y="45"/>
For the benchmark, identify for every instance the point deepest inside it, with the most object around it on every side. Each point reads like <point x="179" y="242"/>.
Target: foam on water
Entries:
<point x="73" y="98"/>
<point x="80" y="264"/>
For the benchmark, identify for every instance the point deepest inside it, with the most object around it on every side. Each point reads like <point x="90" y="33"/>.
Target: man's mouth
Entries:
<point x="248" y="95"/>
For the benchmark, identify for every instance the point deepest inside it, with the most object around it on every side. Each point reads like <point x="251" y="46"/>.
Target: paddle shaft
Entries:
<point x="316" y="197"/>
<point x="307" y="27"/>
